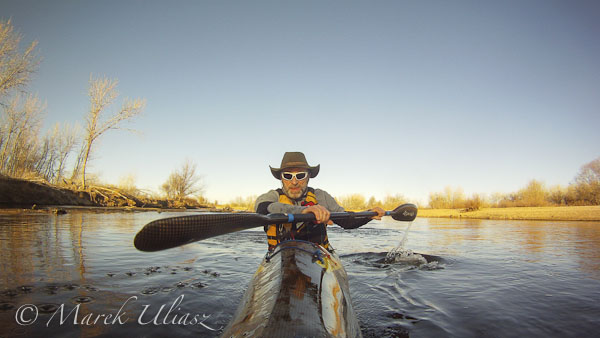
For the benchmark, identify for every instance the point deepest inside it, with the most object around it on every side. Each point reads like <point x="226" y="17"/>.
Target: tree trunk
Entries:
<point x="85" y="159"/>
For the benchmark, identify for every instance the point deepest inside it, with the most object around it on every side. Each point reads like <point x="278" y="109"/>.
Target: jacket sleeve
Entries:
<point x="330" y="203"/>
<point x="268" y="203"/>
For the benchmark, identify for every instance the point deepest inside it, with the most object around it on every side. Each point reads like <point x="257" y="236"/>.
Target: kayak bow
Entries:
<point x="299" y="290"/>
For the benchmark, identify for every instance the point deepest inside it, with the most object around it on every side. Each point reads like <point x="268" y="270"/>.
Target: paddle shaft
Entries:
<point x="309" y="217"/>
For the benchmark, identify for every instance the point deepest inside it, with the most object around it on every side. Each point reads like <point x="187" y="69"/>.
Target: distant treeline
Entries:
<point x="349" y="202"/>
<point x="584" y="190"/>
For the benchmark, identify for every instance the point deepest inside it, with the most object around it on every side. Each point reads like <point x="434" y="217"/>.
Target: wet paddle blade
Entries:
<point x="175" y="231"/>
<point x="405" y="213"/>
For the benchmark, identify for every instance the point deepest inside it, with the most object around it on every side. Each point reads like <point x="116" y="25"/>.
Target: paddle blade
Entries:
<point x="405" y="212"/>
<point x="175" y="231"/>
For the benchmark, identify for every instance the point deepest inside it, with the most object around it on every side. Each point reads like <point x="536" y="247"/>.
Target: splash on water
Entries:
<point x="405" y="256"/>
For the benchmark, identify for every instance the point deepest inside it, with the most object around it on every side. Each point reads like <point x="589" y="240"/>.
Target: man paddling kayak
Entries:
<point x="294" y="197"/>
<point x="300" y="288"/>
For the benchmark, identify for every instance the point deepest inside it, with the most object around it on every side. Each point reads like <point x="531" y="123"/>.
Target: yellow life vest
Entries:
<point x="276" y="233"/>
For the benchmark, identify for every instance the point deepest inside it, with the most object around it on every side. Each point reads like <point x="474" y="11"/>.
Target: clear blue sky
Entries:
<point x="388" y="96"/>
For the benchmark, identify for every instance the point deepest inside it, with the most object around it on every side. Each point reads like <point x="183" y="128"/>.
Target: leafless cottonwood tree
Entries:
<point x="21" y="114"/>
<point x="15" y="67"/>
<point x="21" y="122"/>
<point x="69" y="137"/>
<point x="46" y="157"/>
<point x="587" y="183"/>
<point x="102" y="93"/>
<point x="183" y="182"/>
<point x="589" y="172"/>
<point x="54" y="151"/>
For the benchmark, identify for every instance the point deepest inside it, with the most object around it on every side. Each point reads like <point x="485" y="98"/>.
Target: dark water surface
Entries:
<point x="482" y="278"/>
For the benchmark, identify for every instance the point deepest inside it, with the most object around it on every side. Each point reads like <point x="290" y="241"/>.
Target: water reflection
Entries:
<point x="532" y="241"/>
<point x="586" y="245"/>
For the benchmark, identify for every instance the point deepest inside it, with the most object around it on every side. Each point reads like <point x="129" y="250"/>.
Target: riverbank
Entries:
<point x="31" y="195"/>
<point x="563" y="213"/>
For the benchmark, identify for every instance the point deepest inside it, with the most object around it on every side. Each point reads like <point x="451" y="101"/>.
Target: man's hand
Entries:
<point x="380" y="212"/>
<point x="321" y="214"/>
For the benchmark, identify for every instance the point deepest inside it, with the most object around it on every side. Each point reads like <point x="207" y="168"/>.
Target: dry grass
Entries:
<point x="570" y="213"/>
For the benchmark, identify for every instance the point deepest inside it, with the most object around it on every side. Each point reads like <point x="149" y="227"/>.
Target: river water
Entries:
<point x="78" y="275"/>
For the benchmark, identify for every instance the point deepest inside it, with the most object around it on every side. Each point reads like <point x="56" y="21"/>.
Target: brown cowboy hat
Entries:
<point x="295" y="159"/>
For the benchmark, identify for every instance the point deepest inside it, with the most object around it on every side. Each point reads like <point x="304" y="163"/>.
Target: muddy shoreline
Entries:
<point x="64" y="209"/>
<point x="24" y="196"/>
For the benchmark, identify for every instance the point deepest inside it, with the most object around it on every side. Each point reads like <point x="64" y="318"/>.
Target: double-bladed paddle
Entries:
<point x="175" y="231"/>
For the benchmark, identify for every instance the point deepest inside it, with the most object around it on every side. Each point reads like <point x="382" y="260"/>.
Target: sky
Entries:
<point x="389" y="97"/>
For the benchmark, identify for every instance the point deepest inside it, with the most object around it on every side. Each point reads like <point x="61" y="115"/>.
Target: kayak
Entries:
<point x="299" y="290"/>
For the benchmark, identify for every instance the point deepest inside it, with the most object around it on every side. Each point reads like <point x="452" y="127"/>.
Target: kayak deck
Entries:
<point x="299" y="290"/>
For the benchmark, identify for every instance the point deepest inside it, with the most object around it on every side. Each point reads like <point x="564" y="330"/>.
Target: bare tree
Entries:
<point x="390" y="202"/>
<point x="183" y="182"/>
<point x="21" y="123"/>
<point x="373" y="202"/>
<point x="47" y="155"/>
<point x="533" y="195"/>
<point x="22" y="151"/>
<point x="127" y="184"/>
<point x="589" y="172"/>
<point x="69" y="136"/>
<point x="587" y="183"/>
<point x="20" y="118"/>
<point x="15" y="67"/>
<point x="102" y="93"/>
<point x="55" y="148"/>
<point x="448" y="199"/>
<point x="353" y="202"/>
<point x="76" y="173"/>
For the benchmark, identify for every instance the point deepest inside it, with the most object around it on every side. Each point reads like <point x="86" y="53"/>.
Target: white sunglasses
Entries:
<point x="289" y="176"/>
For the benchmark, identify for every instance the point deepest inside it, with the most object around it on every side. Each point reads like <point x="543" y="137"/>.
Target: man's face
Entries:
<point x="295" y="188"/>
